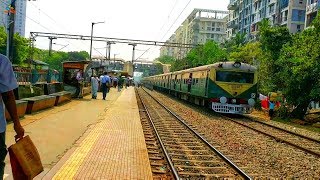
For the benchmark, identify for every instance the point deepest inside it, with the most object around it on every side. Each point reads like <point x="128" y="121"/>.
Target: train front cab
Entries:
<point x="233" y="90"/>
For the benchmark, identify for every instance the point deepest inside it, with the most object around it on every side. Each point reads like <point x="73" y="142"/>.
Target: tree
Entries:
<point x="272" y="40"/>
<point x="166" y="59"/>
<point x="234" y="42"/>
<point x="300" y="64"/>
<point x="208" y="53"/>
<point x="248" y="53"/>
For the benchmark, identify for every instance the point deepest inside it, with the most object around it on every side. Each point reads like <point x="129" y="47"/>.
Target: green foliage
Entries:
<point x="78" y="56"/>
<point x="21" y="49"/>
<point x="3" y="40"/>
<point x="166" y="59"/>
<point x="248" y="53"/>
<point x="234" y="42"/>
<point x="205" y="54"/>
<point x="300" y="68"/>
<point x="272" y="40"/>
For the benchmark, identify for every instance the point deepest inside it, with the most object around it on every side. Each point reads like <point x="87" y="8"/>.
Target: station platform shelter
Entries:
<point x="110" y="144"/>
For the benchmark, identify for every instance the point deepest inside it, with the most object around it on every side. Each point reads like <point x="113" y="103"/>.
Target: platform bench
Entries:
<point x="39" y="102"/>
<point x="61" y="97"/>
<point x="21" y="109"/>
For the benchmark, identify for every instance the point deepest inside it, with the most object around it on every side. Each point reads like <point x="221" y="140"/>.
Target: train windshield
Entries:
<point x="238" y="77"/>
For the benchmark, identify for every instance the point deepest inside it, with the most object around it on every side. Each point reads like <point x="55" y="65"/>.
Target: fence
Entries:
<point x="27" y="76"/>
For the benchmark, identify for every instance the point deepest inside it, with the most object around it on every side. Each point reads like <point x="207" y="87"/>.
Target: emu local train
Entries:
<point x="226" y="87"/>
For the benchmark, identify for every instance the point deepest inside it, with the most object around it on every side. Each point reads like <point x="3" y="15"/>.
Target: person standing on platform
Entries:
<point x="120" y="83"/>
<point x="105" y="81"/>
<point x="8" y="82"/>
<point x="115" y="81"/>
<point x="126" y="81"/>
<point x="79" y="84"/>
<point x="94" y="86"/>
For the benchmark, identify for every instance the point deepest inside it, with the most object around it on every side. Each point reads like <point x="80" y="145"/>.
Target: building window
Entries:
<point x="208" y="28"/>
<point x="298" y="27"/>
<point x="217" y="29"/>
<point x="300" y="1"/>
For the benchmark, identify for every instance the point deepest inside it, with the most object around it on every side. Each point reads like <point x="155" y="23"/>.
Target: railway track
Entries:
<point x="187" y="154"/>
<point x="304" y="143"/>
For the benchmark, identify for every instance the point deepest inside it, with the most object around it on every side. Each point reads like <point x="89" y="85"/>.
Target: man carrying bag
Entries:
<point x="25" y="159"/>
<point x="8" y="82"/>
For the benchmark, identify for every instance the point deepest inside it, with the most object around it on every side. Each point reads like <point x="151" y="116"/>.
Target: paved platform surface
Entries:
<point x="113" y="149"/>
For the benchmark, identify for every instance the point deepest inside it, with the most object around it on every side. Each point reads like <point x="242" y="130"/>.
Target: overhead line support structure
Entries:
<point x="115" y="40"/>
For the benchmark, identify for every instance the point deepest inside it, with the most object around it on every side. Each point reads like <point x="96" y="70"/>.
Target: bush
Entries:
<point x="283" y="112"/>
<point x="257" y="105"/>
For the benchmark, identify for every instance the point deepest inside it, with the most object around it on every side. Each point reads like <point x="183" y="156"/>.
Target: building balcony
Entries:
<point x="272" y="2"/>
<point x="233" y="24"/>
<point x="312" y="8"/>
<point x="234" y="4"/>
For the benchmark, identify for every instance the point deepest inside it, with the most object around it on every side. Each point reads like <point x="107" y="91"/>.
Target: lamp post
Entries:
<point x="93" y="23"/>
<point x="114" y="61"/>
<point x="133" y="51"/>
<point x="109" y="48"/>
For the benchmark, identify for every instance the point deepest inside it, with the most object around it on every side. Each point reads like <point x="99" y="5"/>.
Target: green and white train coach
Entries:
<point x="226" y="87"/>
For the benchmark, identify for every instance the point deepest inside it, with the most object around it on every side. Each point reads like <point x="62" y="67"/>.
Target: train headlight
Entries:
<point x="234" y="101"/>
<point x="251" y="102"/>
<point x="253" y="95"/>
<point x="223" y="100"/>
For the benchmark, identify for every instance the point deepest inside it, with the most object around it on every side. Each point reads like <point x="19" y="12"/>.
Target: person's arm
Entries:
<point x="8" y="82"/>
<point x="10" y="103"/>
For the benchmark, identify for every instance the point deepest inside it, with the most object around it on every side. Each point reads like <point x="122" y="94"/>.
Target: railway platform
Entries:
<point x="114" y="148"/>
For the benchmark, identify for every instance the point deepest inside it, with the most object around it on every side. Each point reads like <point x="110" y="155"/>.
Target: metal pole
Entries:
<point x="91" y="41"/>
<point x="109" y="43"/>
<point x="8" y="39"/>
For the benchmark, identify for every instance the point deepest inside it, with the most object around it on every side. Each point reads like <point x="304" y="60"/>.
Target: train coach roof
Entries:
<point x="218" y="65"/>
<point x="224" y="65"/>
<point x="232" y="65"/>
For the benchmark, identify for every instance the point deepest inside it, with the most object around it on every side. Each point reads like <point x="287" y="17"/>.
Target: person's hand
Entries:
<point x="19" y="130"/>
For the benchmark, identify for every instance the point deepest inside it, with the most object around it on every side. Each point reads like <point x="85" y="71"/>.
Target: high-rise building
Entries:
<point x="312" y="9"/>
<point x="199" y="27"/>
<point x="244" y="15"/>
<point x="20" y="15"/>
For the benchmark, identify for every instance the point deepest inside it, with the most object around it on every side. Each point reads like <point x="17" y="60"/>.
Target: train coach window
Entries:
<point x="238" y="77"/>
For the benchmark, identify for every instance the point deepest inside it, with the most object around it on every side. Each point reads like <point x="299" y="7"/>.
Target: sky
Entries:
<point x="154" y="20"/>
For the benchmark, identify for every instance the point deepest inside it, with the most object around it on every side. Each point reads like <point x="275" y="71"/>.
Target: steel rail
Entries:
<point x="285" y="130"/>
<point x="276" y="138"/>
<point x="173" y="169"/>
<point x="234" y="166"/>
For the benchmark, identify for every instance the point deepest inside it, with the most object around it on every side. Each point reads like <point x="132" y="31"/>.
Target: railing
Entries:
<point x="25" y="77"/>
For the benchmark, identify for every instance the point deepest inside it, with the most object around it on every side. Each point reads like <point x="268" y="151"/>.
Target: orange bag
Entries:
<point x="25" y="159"/>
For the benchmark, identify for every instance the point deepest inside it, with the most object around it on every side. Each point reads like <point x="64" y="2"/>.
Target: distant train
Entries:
<point x="226" y="87"/>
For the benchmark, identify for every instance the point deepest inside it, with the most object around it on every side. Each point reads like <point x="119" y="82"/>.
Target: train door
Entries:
<point x="175" y="82"/>
<point x="207" y="82"/>
<point x="189" y="82"/>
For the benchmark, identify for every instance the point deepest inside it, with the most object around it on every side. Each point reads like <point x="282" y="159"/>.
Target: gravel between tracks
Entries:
<point x="257" y="154"/>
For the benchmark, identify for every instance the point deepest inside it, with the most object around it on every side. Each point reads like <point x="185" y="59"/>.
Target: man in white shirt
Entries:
<point x="79" y="84"/>
<point x="8" y="82"/>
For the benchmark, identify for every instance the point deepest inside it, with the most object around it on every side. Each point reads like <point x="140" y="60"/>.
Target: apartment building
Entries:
<point x="20" y="15"/>
<point x="199" y="27"/>
<point x="244" y="15"/>
<point x="312" y="9"/>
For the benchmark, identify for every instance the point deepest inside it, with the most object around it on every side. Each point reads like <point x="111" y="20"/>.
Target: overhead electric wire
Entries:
<point x="57" y="24"/>
<point x="25" y="15"/>
<point x="176" y="19"/>
<point x="170" y="26"/>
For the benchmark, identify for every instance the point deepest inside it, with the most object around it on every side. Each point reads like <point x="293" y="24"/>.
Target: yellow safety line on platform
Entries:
<point x="70" y="168"/>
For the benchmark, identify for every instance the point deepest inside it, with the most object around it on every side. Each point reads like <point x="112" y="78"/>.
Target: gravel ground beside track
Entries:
<point x="305" y="132"/>
<point x="261" y="156"/>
